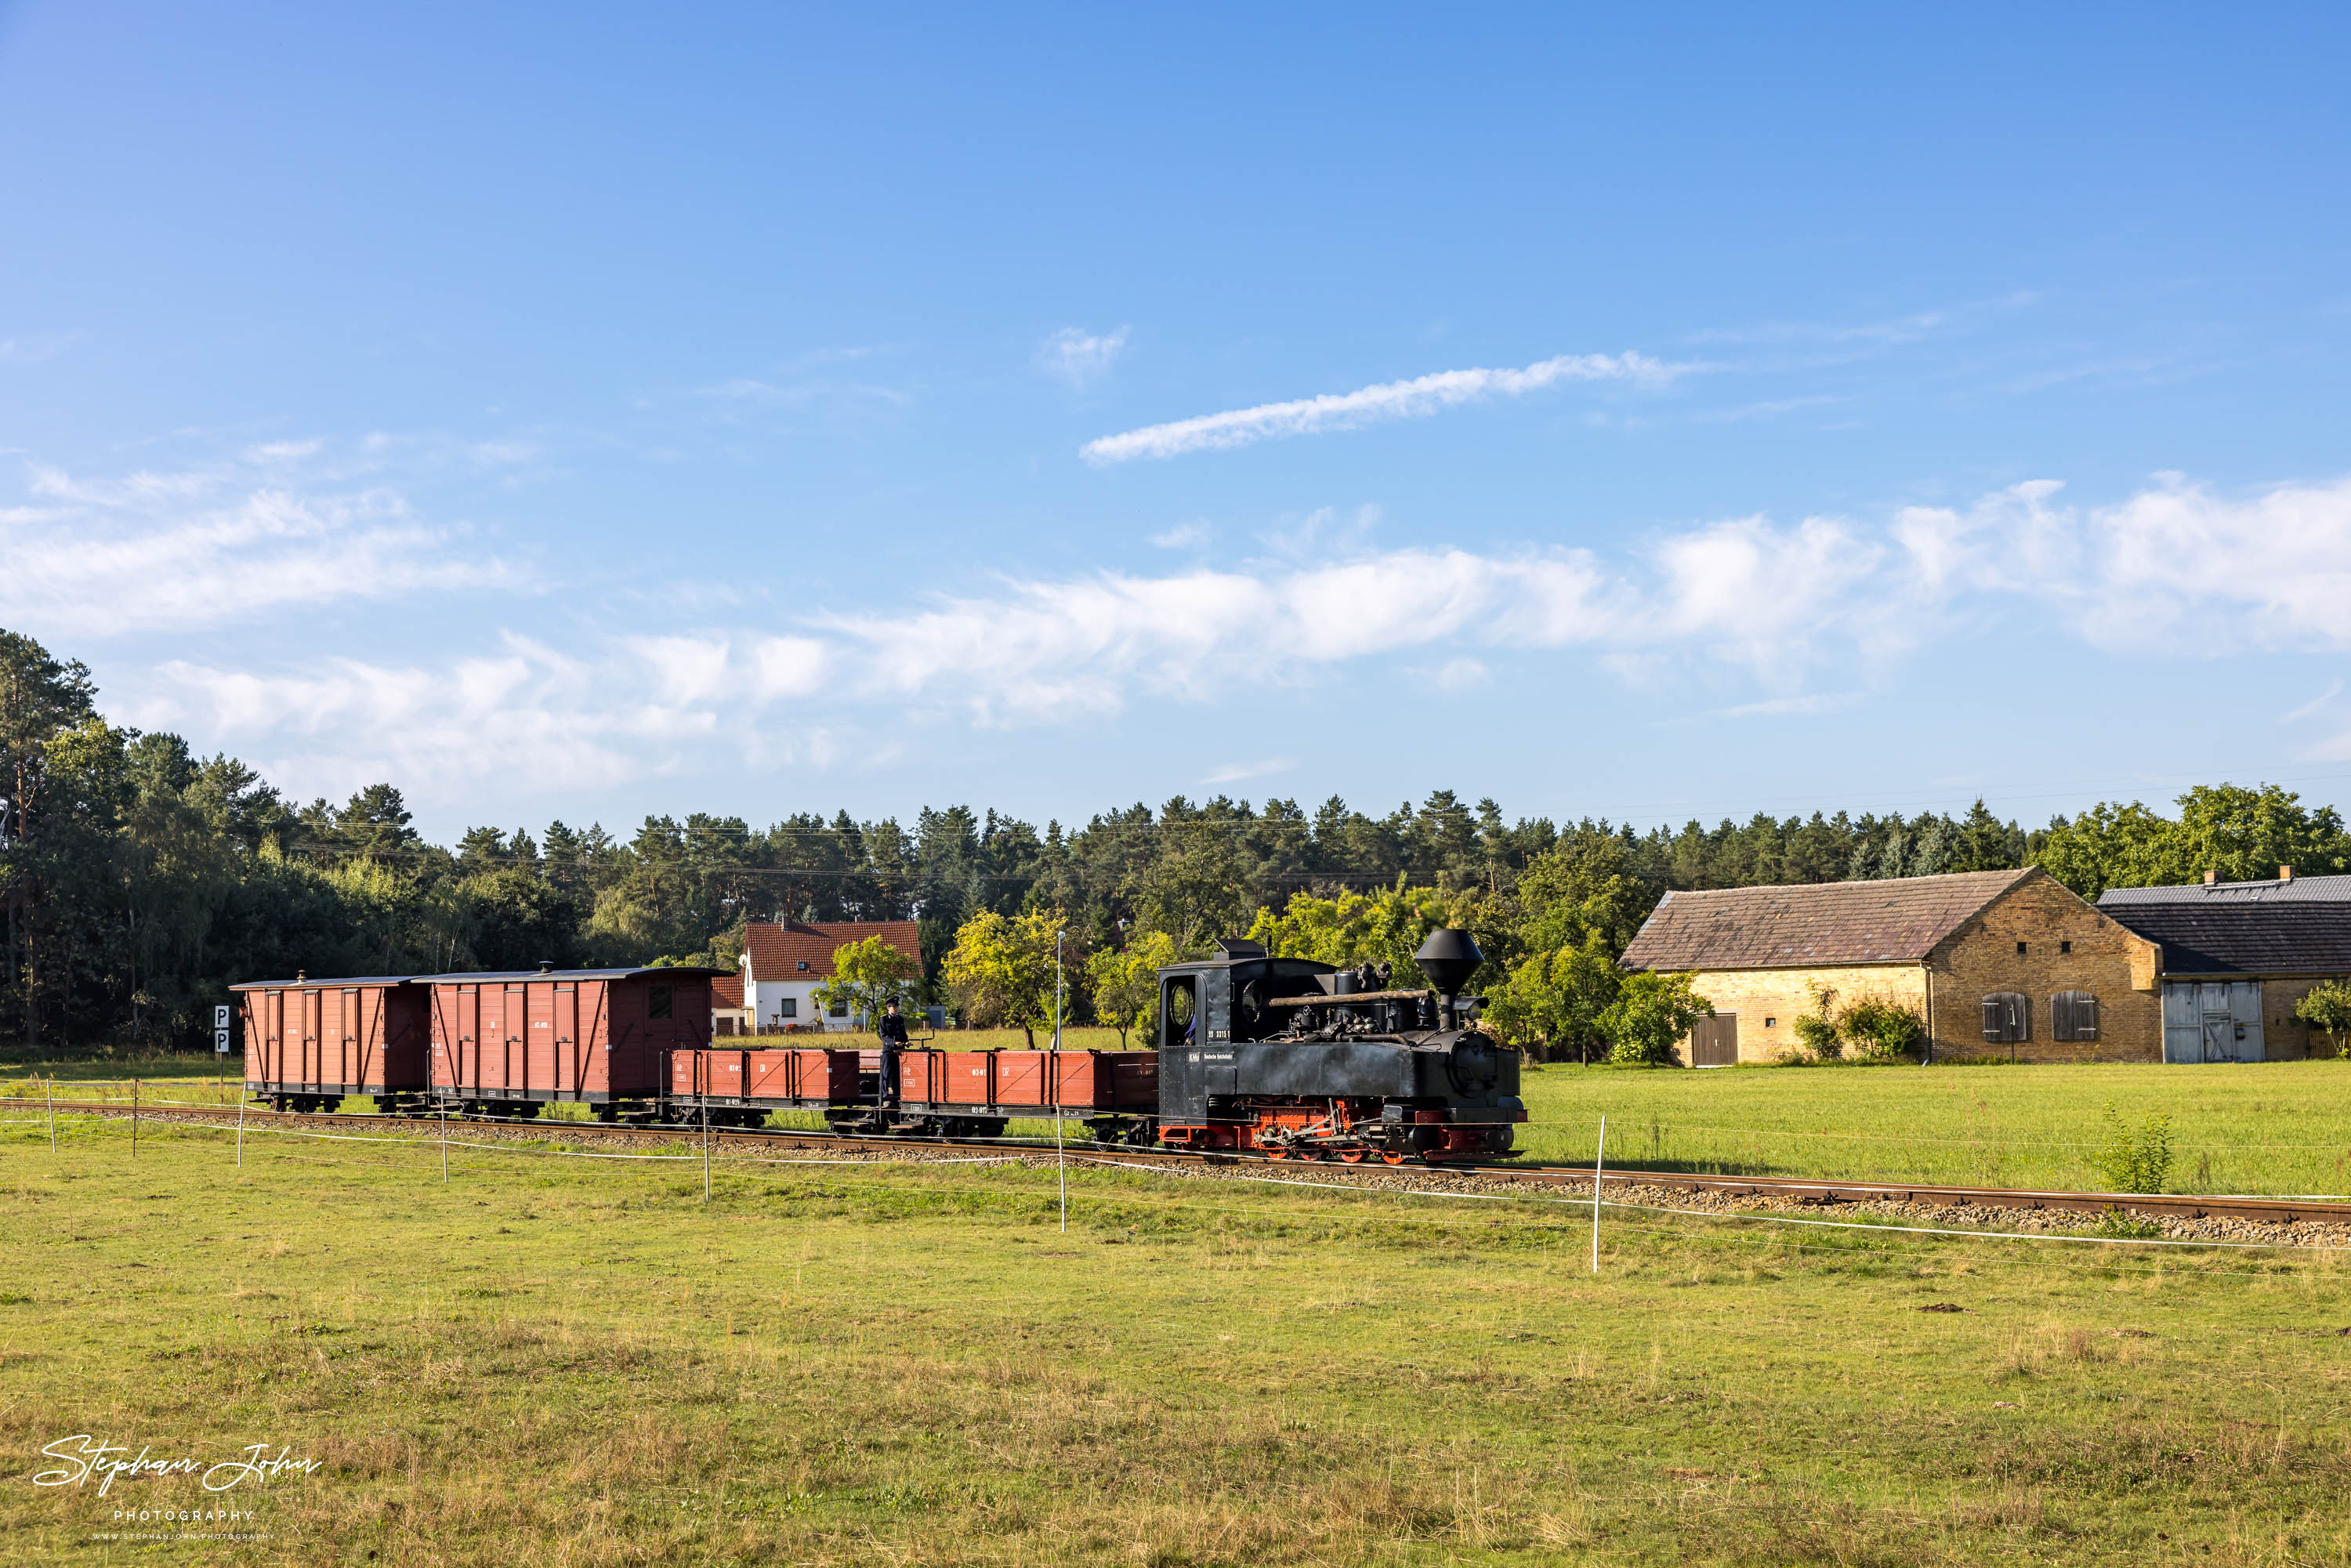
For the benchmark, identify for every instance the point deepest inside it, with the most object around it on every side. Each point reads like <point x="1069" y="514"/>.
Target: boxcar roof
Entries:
<point x="682" y="971"/>
<point x="343" y="982"/>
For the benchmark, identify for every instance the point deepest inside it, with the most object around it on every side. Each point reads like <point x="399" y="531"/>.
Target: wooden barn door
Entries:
<point x="1714" y="1041"/>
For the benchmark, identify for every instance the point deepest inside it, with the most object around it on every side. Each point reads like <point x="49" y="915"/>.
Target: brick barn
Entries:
<point x="2237" y="957"/>
<point x="2007" y="963"/>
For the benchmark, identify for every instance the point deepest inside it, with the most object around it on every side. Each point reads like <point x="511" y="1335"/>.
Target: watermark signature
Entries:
<point x="86" y="1457"/>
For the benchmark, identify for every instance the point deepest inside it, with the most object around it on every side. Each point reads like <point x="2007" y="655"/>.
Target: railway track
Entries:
<point x="1793" y="1189"/>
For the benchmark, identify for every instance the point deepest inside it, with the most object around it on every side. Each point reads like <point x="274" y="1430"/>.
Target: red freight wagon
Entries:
<point x="974" y="1092"/>
<point x="308" y="1043"/>
<point x="506" y="1044"/>
<point x="740" y="1087"/>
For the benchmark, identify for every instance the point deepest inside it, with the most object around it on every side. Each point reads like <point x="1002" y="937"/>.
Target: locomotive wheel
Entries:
<point x="1393" y="1157"/>
<point x="1351" y="1157"/>
<point x="1278" y="1152"/>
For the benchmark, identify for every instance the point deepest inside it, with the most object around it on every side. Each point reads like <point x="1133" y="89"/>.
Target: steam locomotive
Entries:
<point x="1284" y="1057"/>
<point x="1300" y="1060"/>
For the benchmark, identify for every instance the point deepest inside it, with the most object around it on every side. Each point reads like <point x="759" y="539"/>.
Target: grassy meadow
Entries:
<point x="2274" y="1127"/>
<point x="550" y="1359"/>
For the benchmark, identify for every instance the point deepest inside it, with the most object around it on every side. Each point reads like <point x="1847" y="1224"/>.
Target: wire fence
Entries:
<point x="1560" y="1215"/>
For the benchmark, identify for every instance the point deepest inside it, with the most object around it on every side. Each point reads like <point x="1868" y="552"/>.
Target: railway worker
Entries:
<point x="894" y="1041"/>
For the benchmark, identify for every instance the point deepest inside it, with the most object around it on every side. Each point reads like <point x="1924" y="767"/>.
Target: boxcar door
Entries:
<point x="540" y="1055"/>
<point x="364" y="1009"/>
<point x="469" y="1036"/>
<point x="568" y="1052"/>
<point x="314" y="1043"/>
<point x="358" y="1040"/>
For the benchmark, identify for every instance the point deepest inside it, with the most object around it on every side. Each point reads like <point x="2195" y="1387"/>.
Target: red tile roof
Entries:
<point x="1899" y="920"/>
<point x="776" y="952"/>
<point x="726" y="990"/>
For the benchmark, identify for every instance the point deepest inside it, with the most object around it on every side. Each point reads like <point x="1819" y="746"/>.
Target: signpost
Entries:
<point x="220" y="1047"/>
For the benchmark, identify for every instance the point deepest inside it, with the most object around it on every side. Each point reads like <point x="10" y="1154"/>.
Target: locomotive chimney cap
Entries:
<point x="1448" y="959"/>
<point x="546" y="966"/>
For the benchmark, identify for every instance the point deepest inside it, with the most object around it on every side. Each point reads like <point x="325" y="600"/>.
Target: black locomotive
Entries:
<point x="1300" y="1059"/>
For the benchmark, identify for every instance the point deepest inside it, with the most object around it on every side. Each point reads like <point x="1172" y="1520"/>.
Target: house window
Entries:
<point x="2064" y="946"/>
<point x="2020" y="949"/>
<point x="2074" y="1015"/>
<point x="804" y="966"/>
<point x="2007" y="1018"/>
<point x="840" y="1009"/>
<point x="792" y="1008"/>
<point x="657" y="1001"/>
<point x="1769" y="1022"/>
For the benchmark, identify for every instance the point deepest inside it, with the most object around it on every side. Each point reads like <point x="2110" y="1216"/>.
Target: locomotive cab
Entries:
<point x="1297" y="1059"/>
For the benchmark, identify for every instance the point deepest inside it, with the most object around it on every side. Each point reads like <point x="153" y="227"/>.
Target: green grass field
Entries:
<point x="549" y="1360"/>
<point x="2276" y="1128"/>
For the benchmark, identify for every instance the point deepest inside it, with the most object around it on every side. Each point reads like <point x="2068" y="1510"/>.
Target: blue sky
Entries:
<point x="1652" y="412"/>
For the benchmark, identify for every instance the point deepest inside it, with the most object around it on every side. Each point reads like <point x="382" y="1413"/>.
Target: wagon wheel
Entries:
<point x="1353" y="1156"/>
<point x="1393" y="1157"/>
<point x="1277" y="1152"/>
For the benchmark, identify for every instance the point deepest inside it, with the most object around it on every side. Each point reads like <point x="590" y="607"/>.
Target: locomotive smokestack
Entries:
<point x="1448" y="959"/>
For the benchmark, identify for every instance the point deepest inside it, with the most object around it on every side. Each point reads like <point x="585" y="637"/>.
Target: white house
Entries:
<point x="784" y="962"/>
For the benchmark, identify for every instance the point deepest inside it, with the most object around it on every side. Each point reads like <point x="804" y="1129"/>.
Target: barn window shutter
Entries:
<point x="1995" y="1018"/>
<point x="2060" y="1017"/>
<point x="2019" y="1012"/>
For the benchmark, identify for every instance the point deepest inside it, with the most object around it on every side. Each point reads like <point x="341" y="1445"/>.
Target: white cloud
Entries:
<point x="2174" y="569"/>
<point x="1774" y="707"/>
<point x="2334" y="689"/>
<point x="533" y="718"/>
<point x="1081" y="359"/>
<point x="1235" y="772"/>
<point x="233" y="541"/>
<point x="1389" y="400"/>
<point x="1183" y="536"/>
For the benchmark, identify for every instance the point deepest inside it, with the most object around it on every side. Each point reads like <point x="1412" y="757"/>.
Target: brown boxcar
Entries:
<point x="308" y="1043"/>
<point x="506" y="1044"/>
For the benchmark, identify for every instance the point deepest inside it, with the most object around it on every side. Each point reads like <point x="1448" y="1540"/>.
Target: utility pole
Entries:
<point x="1061" y="1149"/>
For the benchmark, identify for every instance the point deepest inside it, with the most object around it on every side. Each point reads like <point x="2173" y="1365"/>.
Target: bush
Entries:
<point x="1881" y="1030"/>
<point x="1819" y="1037"/>
<point x="1650" y="1014"/>
<point x="2327" y="1009"/>
<point x="2134" y="1162"/>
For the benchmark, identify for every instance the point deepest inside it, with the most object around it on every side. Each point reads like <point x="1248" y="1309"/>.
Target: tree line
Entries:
<point x="139" y="879"/>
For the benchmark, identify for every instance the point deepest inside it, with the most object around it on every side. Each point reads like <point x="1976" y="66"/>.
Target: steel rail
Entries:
<point x="1805" y="1190"/>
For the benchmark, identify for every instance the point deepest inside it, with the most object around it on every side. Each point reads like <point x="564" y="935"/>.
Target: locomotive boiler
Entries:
<point x="1300" y="1059"/>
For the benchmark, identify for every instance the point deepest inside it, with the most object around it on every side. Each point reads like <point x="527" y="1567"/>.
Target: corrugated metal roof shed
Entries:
<point x="1899" y="920"/>
<point x="2286" y="890"/>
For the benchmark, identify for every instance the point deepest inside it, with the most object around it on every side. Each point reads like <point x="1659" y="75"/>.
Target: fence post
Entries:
<point x="240" y="1127"/>
<point x="706" y="1151"/>
<point x="134" y="1118"/>
<point x="1599" y="1157"/>
<point x="53" y="1112"/>
<point x="442" y="1110"/>
<point x="1061" y="1151"/>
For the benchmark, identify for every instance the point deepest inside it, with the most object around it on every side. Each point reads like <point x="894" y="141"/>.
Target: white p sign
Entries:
<point x="220" y="1017"/>
<point x="220" y="1042"/>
